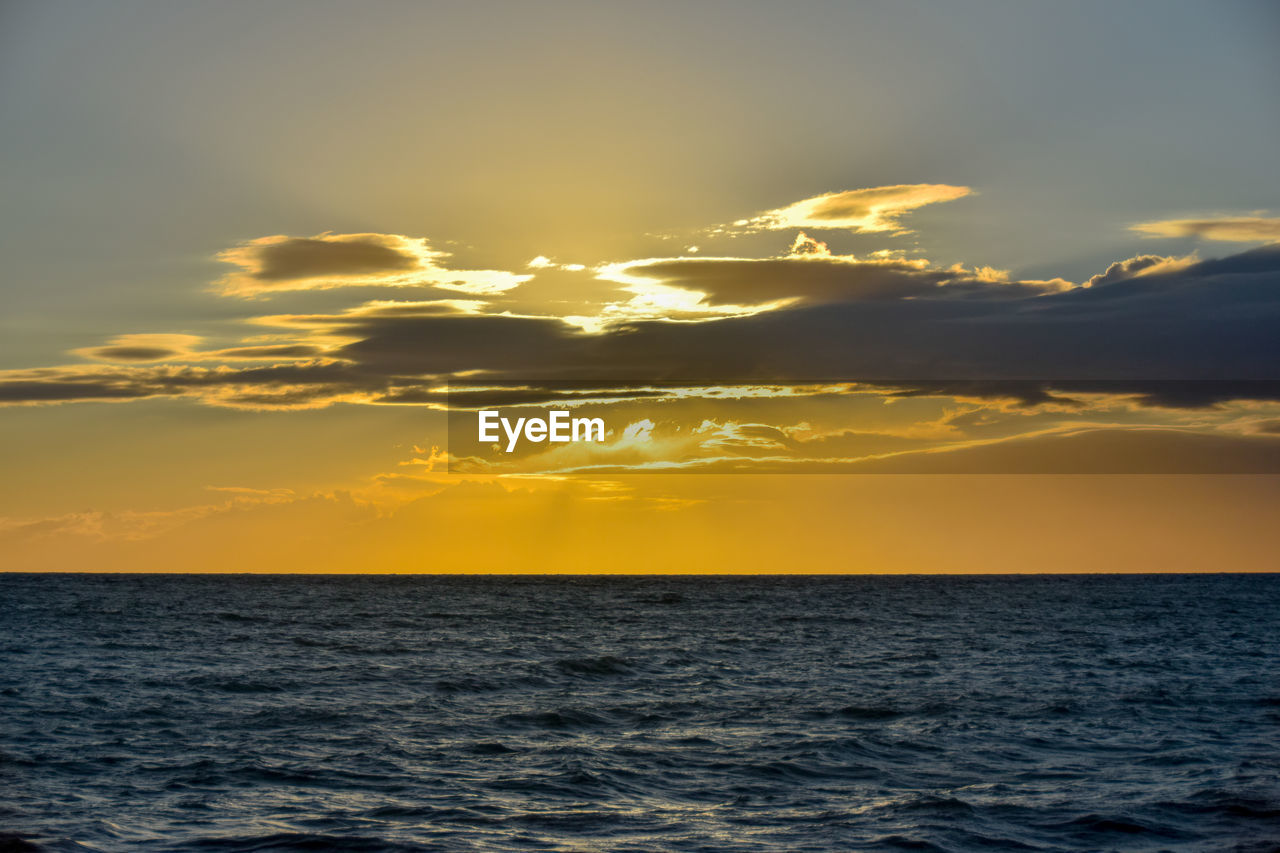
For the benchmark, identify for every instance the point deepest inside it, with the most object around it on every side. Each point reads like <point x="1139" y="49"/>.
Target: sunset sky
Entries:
<point x="857" y="287"/>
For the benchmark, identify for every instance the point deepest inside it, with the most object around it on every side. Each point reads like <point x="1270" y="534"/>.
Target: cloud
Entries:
<point x="804" y="316"/>
<point x="171" y="348"/>
<point x="1175" y="333"/>
<point x="142" y="347"/>
<point x="1091" y="451"/>
<point x="374" y="308"/>
<point x="305" y="384"/>
<point x="1236" y="229"/>
<point x="1214" y="319"/>
<point x="291" y="258"/>
<point x="279" y="263"/>
<point x="269" y="351"/>
<point x="1139" y="265"/>
<point x="722" y="447"/>
<point x="863" y="211"/>
<point x="801" y="441"/>
<point x="252" y="492"/>
<point x="815" y="276"/>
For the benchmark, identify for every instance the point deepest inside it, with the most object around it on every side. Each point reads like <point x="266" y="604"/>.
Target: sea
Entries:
<point x="626" y="713"/>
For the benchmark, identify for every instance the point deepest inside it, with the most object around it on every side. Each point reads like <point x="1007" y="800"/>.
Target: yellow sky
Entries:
<point x="848" y="306"/>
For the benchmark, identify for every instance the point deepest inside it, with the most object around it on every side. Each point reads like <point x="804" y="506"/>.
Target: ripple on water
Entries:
<point x="663" y="714"/>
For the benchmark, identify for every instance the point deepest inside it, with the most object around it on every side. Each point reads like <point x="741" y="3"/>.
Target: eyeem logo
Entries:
<point x="558" y="427"/>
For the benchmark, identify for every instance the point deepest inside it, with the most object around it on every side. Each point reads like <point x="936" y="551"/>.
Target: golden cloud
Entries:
<point x="1234" y="229"/>
<point x="183" y="348"/>
<point x="279" y="262"/>
<point x="141" y="348"/>
<point x="866" y="211"/>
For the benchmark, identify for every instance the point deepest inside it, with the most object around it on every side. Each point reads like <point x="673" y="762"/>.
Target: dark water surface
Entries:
<point x="622" y="713"/>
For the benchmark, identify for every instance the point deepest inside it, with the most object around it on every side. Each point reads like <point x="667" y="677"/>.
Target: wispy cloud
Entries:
<point x="864" y="211"/>
<point x="140" y="348"/>
<point x="1234" y="229"/>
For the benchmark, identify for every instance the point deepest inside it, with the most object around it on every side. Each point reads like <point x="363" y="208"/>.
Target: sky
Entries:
<point x="856" y="287"/>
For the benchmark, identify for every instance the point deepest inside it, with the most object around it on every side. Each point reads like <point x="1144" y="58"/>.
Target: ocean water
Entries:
<point x="237" y="713"/>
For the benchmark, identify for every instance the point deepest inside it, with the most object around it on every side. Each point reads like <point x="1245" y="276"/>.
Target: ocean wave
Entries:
<point x="594" y="666"/>
<point x="641" y="714"/>
<point x="310" y="842"/>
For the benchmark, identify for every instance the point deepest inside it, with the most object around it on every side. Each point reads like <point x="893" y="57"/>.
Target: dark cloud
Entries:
<point x="1214" y="320"/>
<point x="278" y="385"/>
<point x="60" y="389"/>
<point x="308" y="257"/>
<point x="1211" y="320"/>
<point x="447" y="344"/>
<point x="1174" y="337"/>
<point x="1183" y="335"/>
<point x="127" y="353"/>
<point x="280" y="263"/>
<point x="826" y="279"/>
